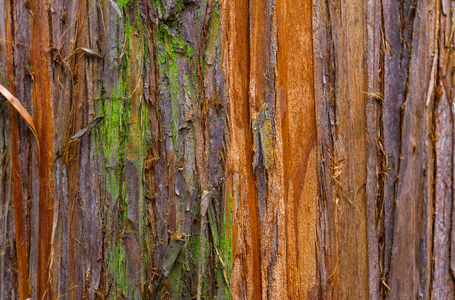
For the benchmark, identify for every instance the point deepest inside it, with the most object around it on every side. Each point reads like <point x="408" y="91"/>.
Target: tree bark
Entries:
<point x="264" y="149"/>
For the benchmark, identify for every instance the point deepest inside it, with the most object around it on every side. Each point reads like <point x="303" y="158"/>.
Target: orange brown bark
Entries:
<point x="295" y="95"/>
<point x="274" y="187"/>
<point x="43" y="116"/>
<point x="245" y="235"/>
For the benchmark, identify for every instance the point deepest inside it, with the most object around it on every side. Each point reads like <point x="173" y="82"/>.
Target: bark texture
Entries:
<point x="126" y="198"/>
<point x="382" y="94"/>
<point x="244" y="149"/>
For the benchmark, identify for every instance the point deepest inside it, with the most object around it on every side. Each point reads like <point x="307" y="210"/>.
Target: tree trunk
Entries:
<point x="227" y="149"/>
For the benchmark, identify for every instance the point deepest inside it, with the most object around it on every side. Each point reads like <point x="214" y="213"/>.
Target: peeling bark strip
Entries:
<point x="239" y="149"/>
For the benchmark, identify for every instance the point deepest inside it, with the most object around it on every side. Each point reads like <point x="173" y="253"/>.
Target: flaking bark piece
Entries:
<point x="172" y="252"/>
<point x="262" y="138"/>
<point x="89" y="52"/>
<point x="87" y="128"/>
<point x="22" y="111"/>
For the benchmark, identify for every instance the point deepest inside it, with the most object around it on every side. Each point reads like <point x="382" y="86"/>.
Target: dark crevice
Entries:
<point x="383" y="165"/>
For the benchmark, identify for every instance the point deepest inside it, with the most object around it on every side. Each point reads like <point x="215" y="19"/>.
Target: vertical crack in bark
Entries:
<point x="383" y="164"/>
